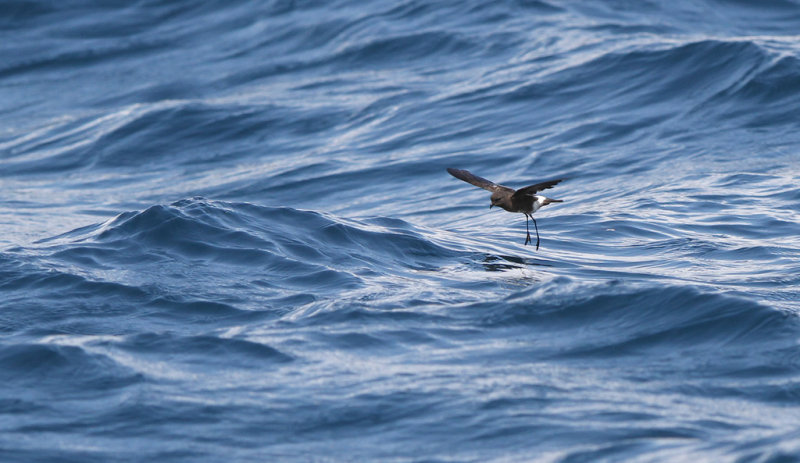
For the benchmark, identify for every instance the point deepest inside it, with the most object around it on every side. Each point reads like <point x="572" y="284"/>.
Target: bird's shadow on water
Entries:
<point x="502" y="263"/>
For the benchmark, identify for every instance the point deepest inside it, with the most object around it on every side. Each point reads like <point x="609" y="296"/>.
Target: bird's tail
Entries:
<point x="549" y="200"/>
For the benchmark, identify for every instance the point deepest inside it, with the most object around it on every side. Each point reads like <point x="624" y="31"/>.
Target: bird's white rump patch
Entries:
<point x="538" y="202"/>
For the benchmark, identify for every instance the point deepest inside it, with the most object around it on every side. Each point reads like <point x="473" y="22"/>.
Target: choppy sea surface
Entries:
<point x="228" y="233"/>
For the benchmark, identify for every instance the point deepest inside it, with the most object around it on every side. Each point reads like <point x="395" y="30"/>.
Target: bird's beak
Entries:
<point x="490" y="206"/>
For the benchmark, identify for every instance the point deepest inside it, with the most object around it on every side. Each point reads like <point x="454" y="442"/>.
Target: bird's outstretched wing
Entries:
<point x="531" y="189"/>
<point x="474" y="179"/>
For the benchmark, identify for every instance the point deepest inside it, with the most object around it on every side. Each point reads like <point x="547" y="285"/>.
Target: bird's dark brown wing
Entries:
<point x="531" y="189"/>
<point x="474" y="179"/>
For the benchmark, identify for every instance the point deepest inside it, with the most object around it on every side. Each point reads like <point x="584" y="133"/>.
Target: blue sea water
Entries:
<point x="228" y="233"/>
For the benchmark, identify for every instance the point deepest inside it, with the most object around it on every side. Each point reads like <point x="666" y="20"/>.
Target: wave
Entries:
<point x="612" y="322"/>
<point x="711" y="78"/>
<point x="66" y="369"/>
<point x="200" y="348"/>
<point x="176" y="261"/>
<point x="161" y="134"/>
<point x="249" y="234"/>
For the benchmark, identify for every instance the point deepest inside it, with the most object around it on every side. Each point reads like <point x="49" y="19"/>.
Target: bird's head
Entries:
<point x="497" y="200"/>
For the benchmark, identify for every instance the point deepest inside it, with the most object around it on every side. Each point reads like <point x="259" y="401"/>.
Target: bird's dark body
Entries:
<point x="522" y="204"/>
<point x="524" y="200"/>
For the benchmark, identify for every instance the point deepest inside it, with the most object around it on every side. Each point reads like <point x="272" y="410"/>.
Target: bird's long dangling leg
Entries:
<point x="527" y="230"/>
<point x="537" y="232"/>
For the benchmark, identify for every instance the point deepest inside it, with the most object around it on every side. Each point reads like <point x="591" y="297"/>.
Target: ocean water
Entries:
<point x="228" y="233"/>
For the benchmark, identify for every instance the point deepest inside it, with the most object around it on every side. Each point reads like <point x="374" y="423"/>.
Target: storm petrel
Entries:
<point x="523" y="200"/>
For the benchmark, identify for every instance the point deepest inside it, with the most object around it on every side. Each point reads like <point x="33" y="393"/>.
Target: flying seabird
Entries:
<point x="524" y="200"/>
